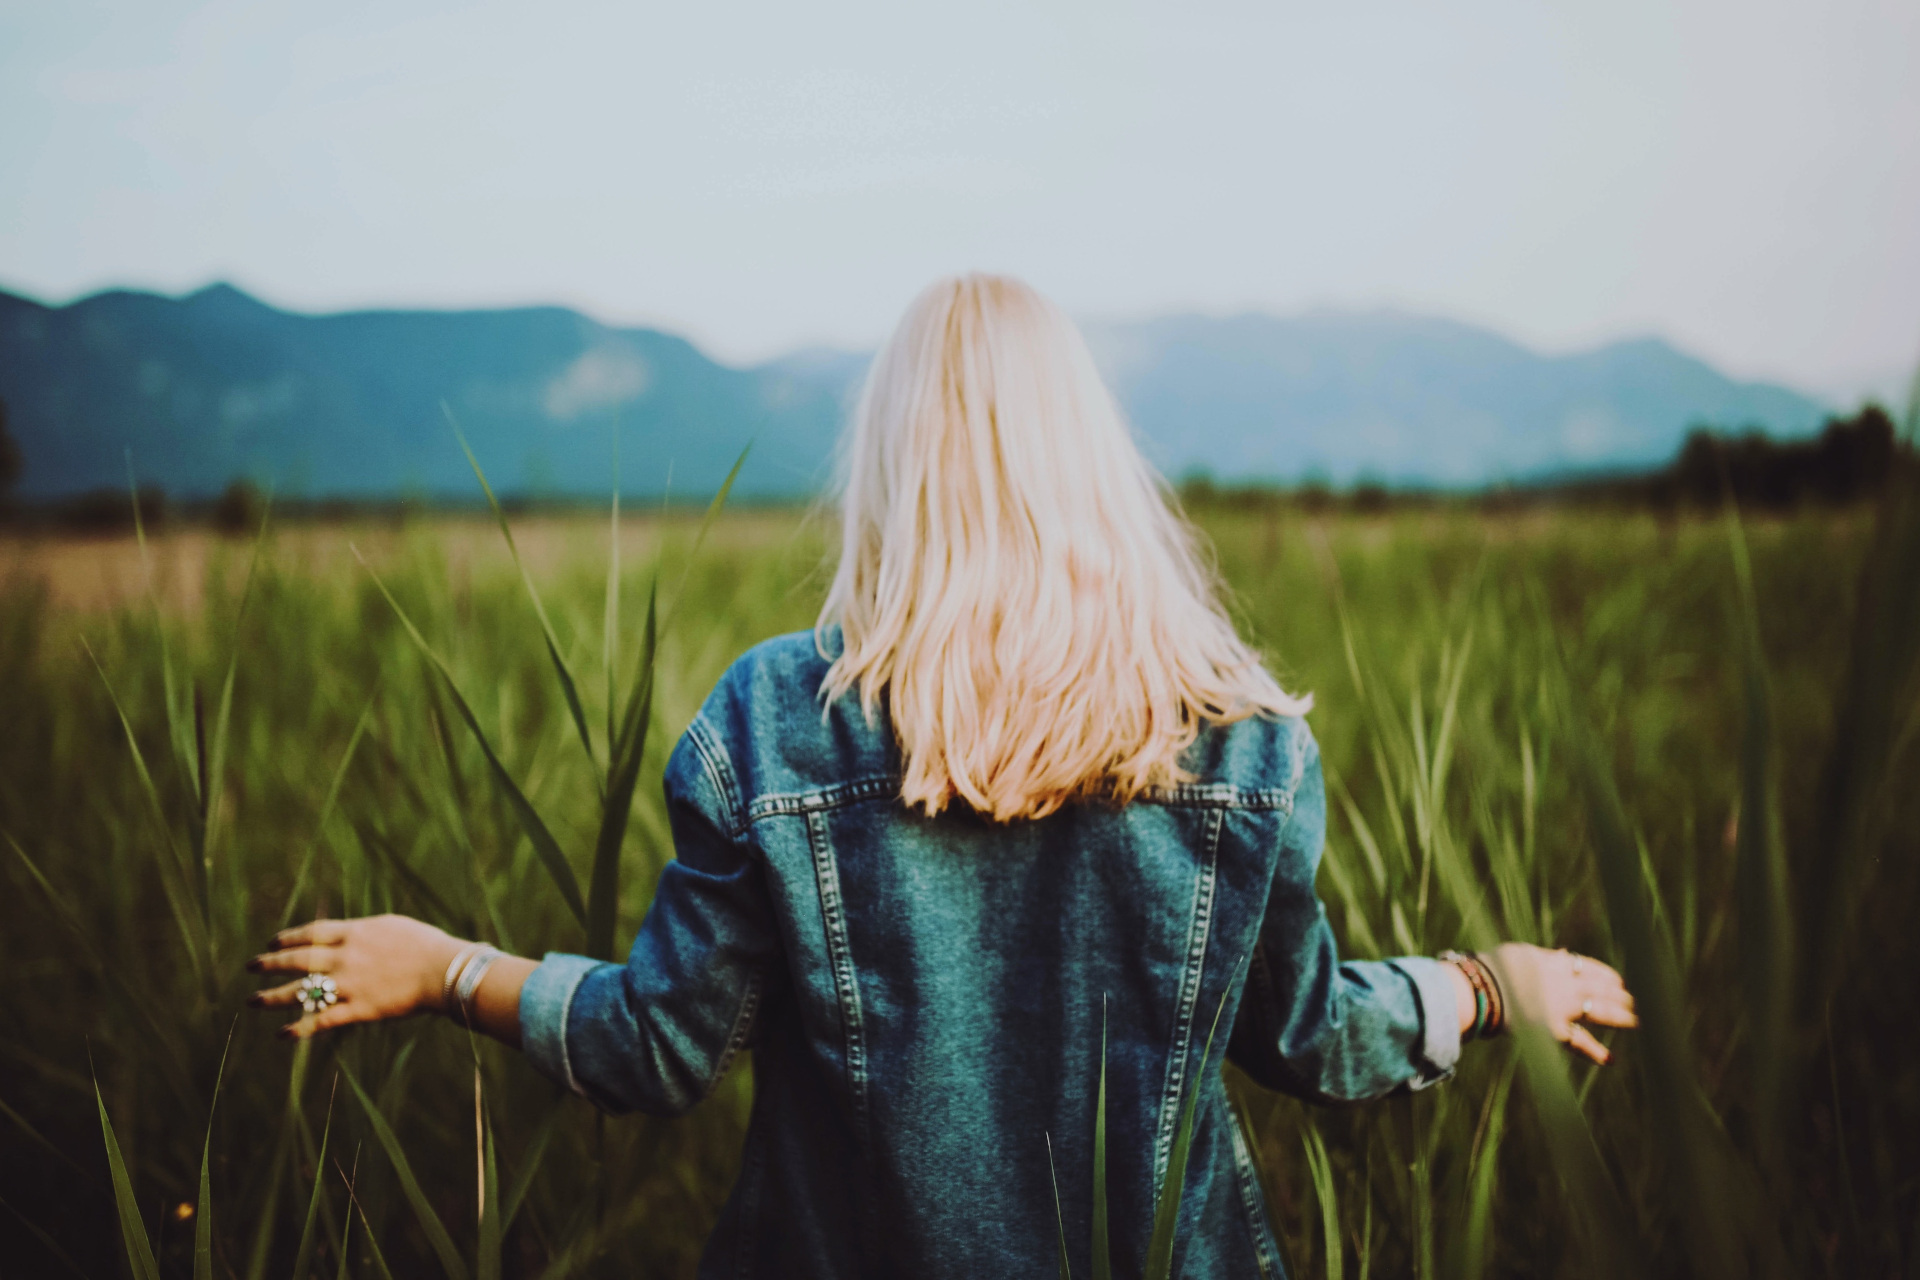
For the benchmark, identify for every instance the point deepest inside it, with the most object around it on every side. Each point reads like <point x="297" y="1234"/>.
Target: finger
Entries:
<point x="274" y="997"/>
<point x="1610" y="1013"/>
<point x="315" y="933"/>
<point x="1580" y="1039"/>
<point x="1610" y="993"/>
<point x="295" y="960"/>
<point x="1606" y="998"/>
<point x="331" y="1018"/>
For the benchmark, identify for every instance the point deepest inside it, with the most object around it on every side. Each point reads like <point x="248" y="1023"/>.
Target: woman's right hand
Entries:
<point x="381" y="966"/>
<point x="1561" y="990"/>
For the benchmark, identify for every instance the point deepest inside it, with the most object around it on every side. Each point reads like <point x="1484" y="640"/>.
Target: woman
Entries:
<point x="1021" y="800"/>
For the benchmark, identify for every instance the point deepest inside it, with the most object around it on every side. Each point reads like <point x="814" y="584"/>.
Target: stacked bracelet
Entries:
<point x="1489" y="1001"/>
<point x="462" y="982"/>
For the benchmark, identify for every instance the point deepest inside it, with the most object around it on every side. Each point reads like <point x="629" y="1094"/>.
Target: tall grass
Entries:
<point x="1685" y="747"/>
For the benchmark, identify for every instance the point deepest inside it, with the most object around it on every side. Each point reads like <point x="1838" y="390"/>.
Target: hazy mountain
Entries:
<point x="1414" y="399"/>
<point x="217" y="385"/>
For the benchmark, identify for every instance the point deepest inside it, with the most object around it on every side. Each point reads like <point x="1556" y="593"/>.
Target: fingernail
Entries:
<point x="253" y="965"/>
<point x="254" y="999"/>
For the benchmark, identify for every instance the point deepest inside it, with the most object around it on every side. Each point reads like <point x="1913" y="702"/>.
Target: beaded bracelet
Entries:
<point x="1489" y="1001"/>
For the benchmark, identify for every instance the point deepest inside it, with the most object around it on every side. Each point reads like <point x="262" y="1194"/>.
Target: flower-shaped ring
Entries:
<point x="317" y="991"/>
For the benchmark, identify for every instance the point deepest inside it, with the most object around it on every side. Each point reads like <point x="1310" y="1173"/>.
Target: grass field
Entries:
<point x="1687" y="746"/>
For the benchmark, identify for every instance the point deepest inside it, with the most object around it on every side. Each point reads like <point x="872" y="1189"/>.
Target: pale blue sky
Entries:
<point x="1742" y="177"/>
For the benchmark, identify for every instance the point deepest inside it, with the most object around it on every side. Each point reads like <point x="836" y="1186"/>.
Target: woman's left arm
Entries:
<point x="1558" y="990"/>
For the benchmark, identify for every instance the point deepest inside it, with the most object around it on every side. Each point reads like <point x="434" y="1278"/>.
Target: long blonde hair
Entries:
<point x="1012" y="575"/>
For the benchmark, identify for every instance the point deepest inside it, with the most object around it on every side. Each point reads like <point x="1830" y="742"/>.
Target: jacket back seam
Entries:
<point x="1199" y="934"/>
<point x="833" y="919"/>
<point x="1252" y="1195"/>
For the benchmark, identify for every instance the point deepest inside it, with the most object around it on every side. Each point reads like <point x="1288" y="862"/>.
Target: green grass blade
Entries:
<point x="603" y="893"/>
<point x="303" y="1256"/>
<point x="430" y="1223"/>
<point x="1862" y="775"/>
<point x="700" y="535"/>
<point x="326" y="810"/>
<point x="213" y="771"/>
<point x="177" y="728"/>
<point x="1102" y="1244"/>
<point x="541" y="838"/>
<point x="567" y="686"/>
<point x="487" y="1263"/>
<point x="373" y="1242"/>
<point x="1476" y="1243"/>
<point x="133" y="1232"/>
<point x="203" y="1212"/>
<point x="1059" y="1218"/>
<point x="610" y="641"/>
<point x="529" y="1167"/>
<point x="1166" y="1214"/>
<point x="346" y="1226"/>
<point x="165" y="1048"/>
<point x="1320" y="1170"/>
<point x="1760" y="890"/>
<point x="1704" y="1186"/>
<point x="173" y="868"/>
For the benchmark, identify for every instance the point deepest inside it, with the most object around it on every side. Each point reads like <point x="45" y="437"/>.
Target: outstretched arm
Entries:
<point x="386" y="967"/>
<point x="654" y="1034"/>
<point x="1337" y="1031"/>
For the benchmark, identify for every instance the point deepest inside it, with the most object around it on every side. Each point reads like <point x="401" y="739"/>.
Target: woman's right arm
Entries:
<point x="654" y="1034"/>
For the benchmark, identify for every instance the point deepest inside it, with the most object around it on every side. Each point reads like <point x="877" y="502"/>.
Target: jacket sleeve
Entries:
<point x="657" y="1033"/>
<point x="1321" y="1029"/>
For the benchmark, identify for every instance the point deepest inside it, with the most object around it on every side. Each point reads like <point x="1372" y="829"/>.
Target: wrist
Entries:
<point x="438" y="969"/>
<point x="1483" y="1007"/>
<point x="1465" y="1000"/>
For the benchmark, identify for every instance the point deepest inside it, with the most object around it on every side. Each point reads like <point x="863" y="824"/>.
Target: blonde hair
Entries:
<point x="1012" y="575"/>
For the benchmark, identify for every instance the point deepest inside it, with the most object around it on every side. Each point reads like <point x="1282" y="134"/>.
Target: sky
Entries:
<point x="1739" y="176"/>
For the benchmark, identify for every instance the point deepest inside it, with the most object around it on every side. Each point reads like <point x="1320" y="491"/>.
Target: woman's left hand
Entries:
<point x="379" y="966"/>
<point x="1561" y="990"/>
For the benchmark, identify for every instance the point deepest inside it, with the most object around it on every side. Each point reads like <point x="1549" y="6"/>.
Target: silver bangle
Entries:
<point x="468" y="984"/>
<point x="454" y="967"/>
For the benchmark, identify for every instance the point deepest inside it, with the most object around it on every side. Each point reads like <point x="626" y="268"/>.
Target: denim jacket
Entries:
<point x="926" y="999"/>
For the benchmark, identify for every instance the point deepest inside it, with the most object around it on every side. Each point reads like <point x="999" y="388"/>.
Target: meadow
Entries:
<point x="1686" y="744"/>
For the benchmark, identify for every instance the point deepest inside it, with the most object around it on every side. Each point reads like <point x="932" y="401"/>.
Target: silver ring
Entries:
<point x="317" y="991"/>
<point x="1586" y="1008"/>
<point x="1576" y="966"/>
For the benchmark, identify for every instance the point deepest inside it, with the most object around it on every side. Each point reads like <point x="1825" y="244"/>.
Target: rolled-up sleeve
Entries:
<point x="657" y="1033"/>
<point x="1322" y="1029"/>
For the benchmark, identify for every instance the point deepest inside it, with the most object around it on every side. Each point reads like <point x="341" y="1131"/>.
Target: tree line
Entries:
<point x="1850" y="460"/>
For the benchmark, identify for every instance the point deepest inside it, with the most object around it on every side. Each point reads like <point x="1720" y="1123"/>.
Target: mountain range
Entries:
<point x="217" y="385"/>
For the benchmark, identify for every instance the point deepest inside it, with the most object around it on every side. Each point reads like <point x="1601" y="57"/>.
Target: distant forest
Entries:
<point x="1850" y="460"/>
